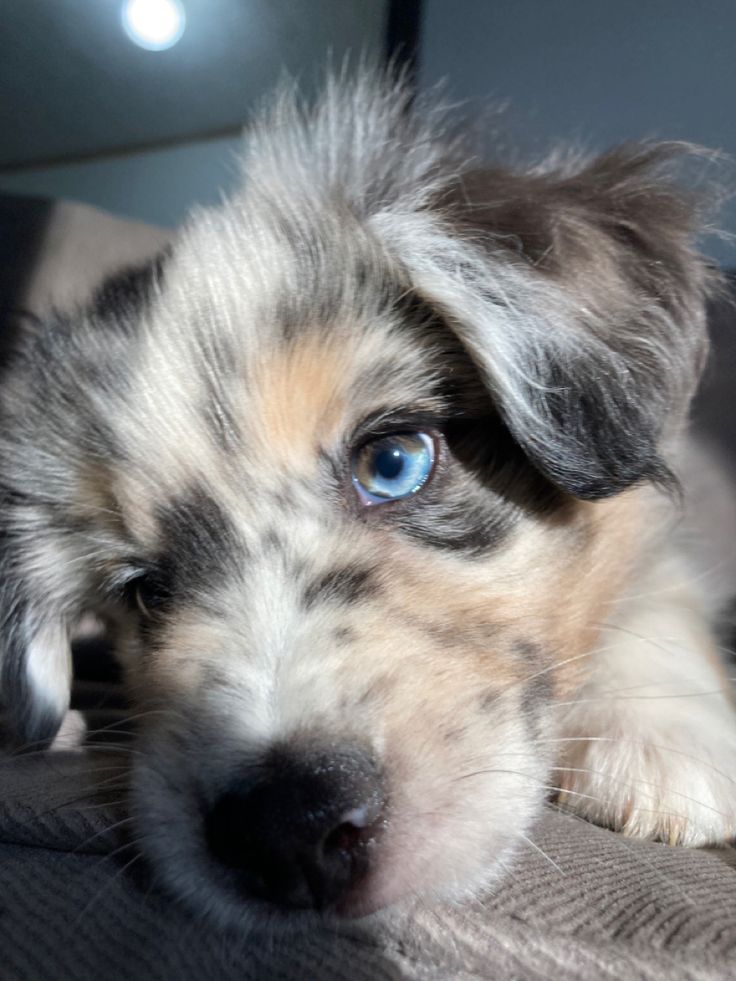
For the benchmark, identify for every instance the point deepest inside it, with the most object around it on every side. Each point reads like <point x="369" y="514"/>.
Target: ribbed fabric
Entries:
<point x="70" y="909"/>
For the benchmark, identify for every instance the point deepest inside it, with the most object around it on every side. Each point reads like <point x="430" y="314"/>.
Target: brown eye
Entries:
<point x="392" y="467"/>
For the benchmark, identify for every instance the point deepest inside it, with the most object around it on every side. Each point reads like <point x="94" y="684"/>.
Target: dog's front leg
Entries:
<point x="648" y="745"/>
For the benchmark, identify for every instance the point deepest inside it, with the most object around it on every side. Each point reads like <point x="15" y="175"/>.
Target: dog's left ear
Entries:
<point x="580" y="296"/>
<point x="35" y="667"/>
<point x="36" y="581"/>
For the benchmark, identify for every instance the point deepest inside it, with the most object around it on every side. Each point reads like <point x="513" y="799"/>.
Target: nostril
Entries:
<point x="300" y="834"/>
<point x="347" y="837"/>
<point x="357" y="828"/>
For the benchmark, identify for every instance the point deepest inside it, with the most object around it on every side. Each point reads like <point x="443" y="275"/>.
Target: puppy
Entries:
<point x="378" y="474"/>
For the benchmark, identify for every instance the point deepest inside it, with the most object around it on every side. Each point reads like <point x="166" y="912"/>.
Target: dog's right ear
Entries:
<point x="579" y="294"/>
<point x="35" y="663"/>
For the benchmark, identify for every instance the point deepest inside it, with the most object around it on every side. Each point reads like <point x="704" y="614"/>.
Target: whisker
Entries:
<point x="542" y="852"/>
<point x="141" y="715"/>
<point x="551" y="667"/>
<point x="107" y="885"/>
<point x="674" y="585"/>
<point x="629" y="845"/>
<point x="54" y="758"/>
<point x="649" y="783"/>
<point x="656" y="812"/>
<point x="489" y="770"/>
<point x="113" y="748"/>
<point x="530" y="776"/>
<point x="90" y="736"/>
<point x="68" y="804"/>
<point x="109" y="803"/>
<point x="615" y="697"/>
<point x="636" y="636"/>
<point x="639" y="742"/>
<point x="111" y="827"/>
<point x="592" y="797"/>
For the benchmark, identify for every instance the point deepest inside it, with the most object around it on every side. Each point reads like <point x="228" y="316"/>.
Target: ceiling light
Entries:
<point x="154" y="24"/>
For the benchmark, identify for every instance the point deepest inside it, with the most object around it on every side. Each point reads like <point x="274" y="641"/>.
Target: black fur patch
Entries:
<point x="486" y="487"/>
<point x="198" y="547"/>
<point x="346" y="585"/>
<point x="467" y="527"/>
<point x="615" y="427"/>
<point x="123" y="296"/>
<point x="536" y="693"/>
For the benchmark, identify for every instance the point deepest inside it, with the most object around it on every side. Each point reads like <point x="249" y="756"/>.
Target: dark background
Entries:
<point x="87" y="115"/>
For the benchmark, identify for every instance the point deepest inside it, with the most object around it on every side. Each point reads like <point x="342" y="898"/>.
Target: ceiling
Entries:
<point x="73" y="86"/>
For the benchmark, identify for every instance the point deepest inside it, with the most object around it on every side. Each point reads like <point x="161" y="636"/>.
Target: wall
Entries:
<point x="157" y="186"/>
<point x="592" y="71"/>
<point x="74" y="88"/>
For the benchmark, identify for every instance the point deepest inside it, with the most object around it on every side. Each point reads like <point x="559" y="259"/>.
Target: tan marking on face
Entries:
<point x="579" y="597"/>
<point x="118" y="500"/>
<point x="298" y="399"/>
<point x="550" y="585"/>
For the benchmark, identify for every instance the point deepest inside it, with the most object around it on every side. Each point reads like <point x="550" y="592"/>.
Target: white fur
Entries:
<point x="49" y="668"/>
<point x="649" y="745"/>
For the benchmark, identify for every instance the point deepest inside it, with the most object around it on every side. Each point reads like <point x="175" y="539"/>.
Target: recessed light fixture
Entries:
<point x="154" y="24"/>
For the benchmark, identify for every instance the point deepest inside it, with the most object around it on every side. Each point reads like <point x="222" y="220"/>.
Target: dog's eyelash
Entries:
<point x="388" y="421"/>
<point x="145" y="592"/>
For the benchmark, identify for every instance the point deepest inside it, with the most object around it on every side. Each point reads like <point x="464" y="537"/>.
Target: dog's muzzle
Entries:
<point x="299" y="830"/>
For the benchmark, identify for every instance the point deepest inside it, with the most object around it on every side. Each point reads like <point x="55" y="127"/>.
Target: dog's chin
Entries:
<point x="211" y="893"/>
<point x="180" y="862"/>
<point x="212" y="896"/>
<point x="396" y="887"/>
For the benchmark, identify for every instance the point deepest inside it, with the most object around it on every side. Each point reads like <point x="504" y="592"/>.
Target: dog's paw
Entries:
<point x="674" y="783"/>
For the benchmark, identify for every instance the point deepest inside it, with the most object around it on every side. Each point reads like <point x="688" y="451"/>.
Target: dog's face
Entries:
<point x="356" y="592"/>
<point x="332" y="463"/>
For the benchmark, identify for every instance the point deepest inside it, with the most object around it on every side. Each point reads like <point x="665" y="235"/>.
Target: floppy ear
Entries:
<point x="579" y="294"/>
<point x="35" y="654"/>
<point x="54" y="444"/>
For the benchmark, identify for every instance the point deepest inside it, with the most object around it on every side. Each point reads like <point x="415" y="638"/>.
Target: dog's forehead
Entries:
<point x="242" y="372"/>
<point x="312" y="393"/>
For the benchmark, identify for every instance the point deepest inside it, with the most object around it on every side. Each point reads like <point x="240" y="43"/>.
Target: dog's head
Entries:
<point x="350" y="464"/>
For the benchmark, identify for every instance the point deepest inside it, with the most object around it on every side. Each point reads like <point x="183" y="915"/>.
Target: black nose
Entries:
<point x="299" y="830"/>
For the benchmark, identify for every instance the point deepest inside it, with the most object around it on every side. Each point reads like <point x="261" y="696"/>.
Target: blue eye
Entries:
<point x="392" y="467"/>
